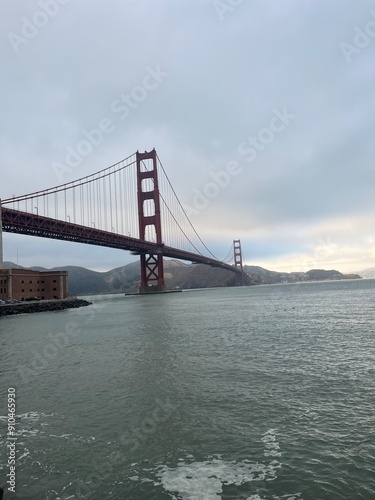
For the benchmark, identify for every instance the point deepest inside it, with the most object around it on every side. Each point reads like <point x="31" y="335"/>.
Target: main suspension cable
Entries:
<point x="184" y="211"/>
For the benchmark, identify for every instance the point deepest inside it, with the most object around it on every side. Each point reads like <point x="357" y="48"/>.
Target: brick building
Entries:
<point x="23" y="284"/>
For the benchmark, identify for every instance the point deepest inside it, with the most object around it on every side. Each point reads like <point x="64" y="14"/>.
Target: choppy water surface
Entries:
<point x="259" y="393"/>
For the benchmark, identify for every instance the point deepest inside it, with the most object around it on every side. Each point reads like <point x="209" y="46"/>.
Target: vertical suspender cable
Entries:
<point x="110" y="200"/>
<point x="116" y="207"/>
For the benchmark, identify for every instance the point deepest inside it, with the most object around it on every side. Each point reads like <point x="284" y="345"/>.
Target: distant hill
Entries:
<point x="83" y="281"/>
<point x="312" y="275"/>
<point x="11" y="265"/>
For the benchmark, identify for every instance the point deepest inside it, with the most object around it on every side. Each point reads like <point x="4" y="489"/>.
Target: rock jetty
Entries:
<point x="41" y="306"/>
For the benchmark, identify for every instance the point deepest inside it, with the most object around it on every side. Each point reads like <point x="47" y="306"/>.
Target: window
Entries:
<point x="54" y="289"/>
<point x="54" y="281"/>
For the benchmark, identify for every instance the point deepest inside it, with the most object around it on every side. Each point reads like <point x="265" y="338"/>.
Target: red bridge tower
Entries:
<point x="238" y="262"/>
<point x="152" y="269"/>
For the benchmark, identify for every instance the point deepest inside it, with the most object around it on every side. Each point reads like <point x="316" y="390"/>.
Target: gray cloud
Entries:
<point x="225" y="78"/>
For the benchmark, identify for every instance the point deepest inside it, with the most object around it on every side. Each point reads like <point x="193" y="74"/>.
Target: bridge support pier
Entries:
<point x="152" y="274"/>
<point x="152" y="268"/>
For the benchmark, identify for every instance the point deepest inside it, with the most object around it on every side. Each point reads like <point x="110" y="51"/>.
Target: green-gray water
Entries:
<point x="259" y="393"/>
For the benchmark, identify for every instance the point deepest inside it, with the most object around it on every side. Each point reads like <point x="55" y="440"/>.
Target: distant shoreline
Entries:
<point x="41" y="306"/>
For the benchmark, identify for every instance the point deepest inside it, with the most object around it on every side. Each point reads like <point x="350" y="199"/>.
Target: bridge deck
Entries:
<point x="15" y="221"/>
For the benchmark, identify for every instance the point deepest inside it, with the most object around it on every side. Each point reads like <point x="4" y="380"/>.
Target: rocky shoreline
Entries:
<point x="41" y="306"/>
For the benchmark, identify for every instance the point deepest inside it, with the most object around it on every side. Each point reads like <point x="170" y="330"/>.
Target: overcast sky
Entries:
<point x="279" y="93"/>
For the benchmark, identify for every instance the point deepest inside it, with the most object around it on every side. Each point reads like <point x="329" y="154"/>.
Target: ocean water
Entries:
<point x="254" y="393"/>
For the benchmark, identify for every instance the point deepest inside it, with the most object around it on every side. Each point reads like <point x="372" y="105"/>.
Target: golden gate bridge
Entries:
<point x="131" y="206"/>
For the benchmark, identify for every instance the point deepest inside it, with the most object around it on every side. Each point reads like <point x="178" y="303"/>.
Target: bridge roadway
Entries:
<point x="14" y="221"/>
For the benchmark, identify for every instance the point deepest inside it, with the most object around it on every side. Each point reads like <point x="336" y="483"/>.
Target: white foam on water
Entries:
<point x="31" y="416"/>
<point x="26" y="432"/>
<point x="65" y="497"/>
<point x="294" y="496"/>
<point x="26" y="453"/>
<point x="64" y="436"/>
<point x="271" y="445"/>
<point x="192" y="480"/>
<point x="28" y="424"/>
